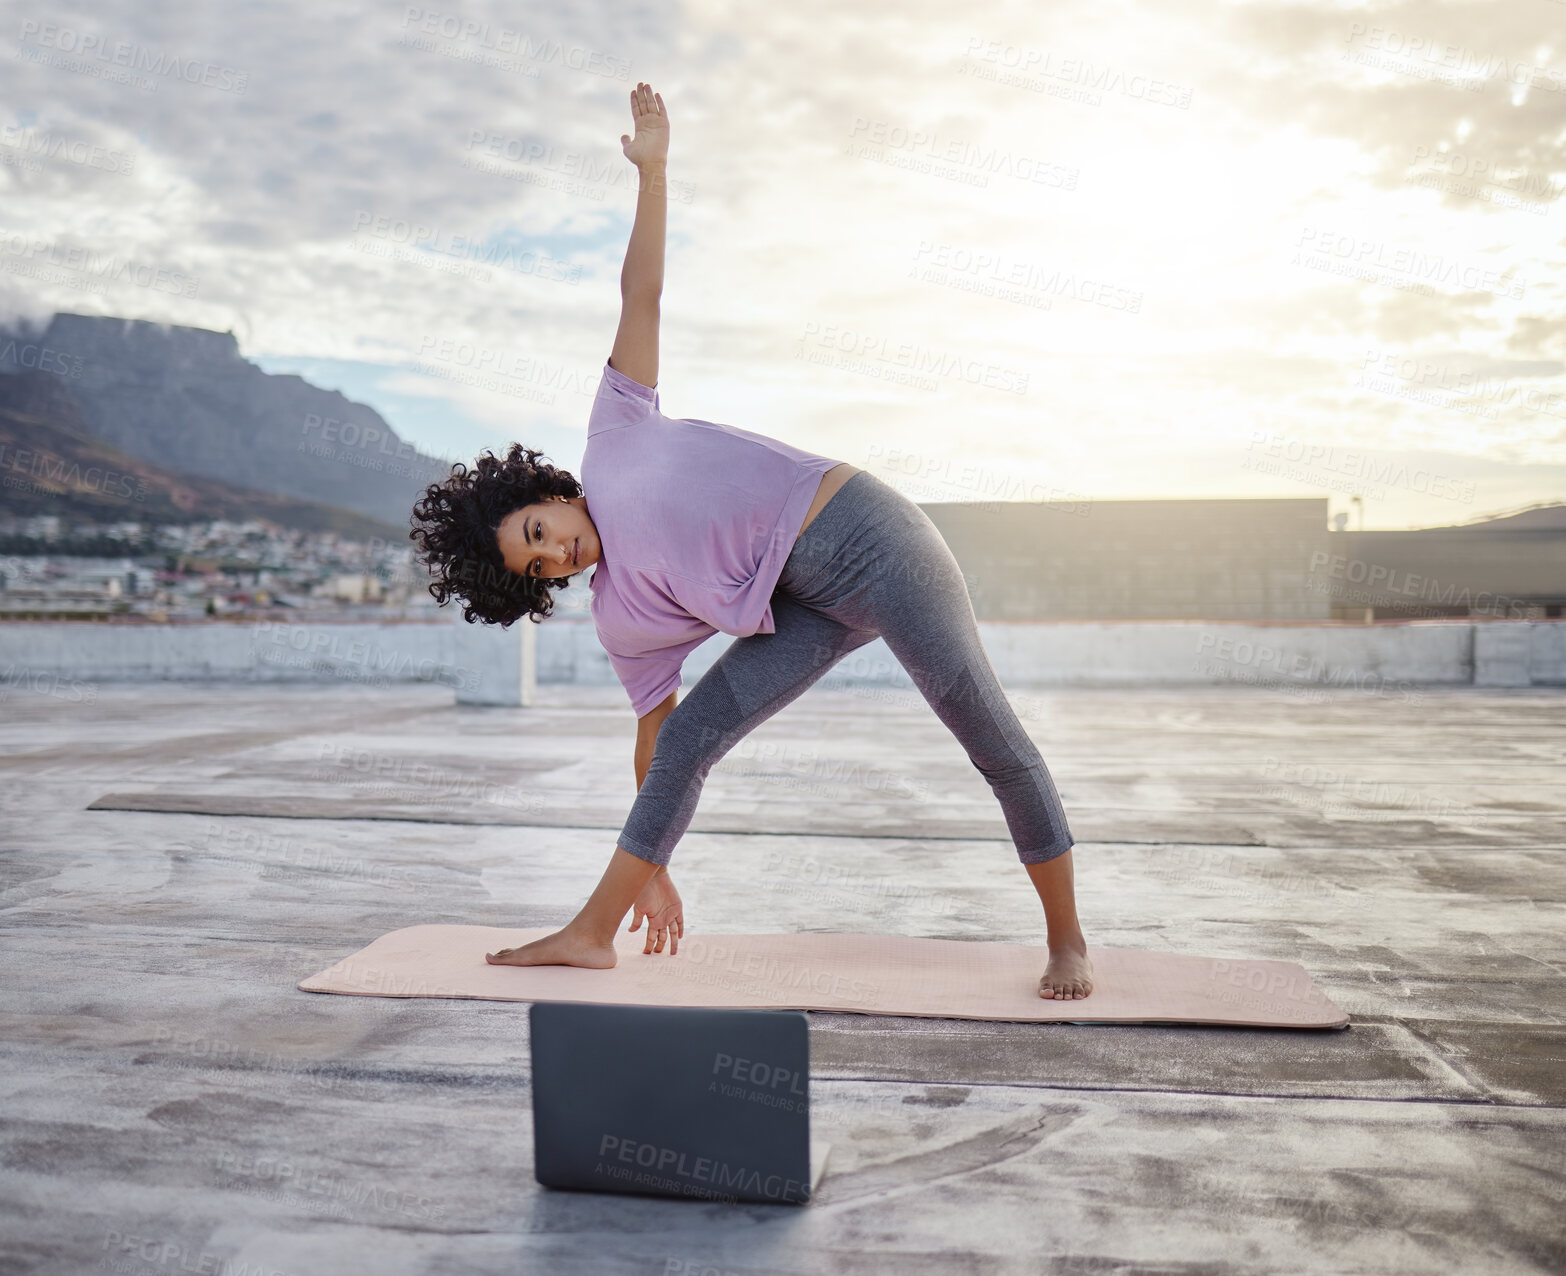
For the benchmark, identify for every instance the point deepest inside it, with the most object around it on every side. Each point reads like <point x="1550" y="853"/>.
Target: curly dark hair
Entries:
<point x="455" y="523"/>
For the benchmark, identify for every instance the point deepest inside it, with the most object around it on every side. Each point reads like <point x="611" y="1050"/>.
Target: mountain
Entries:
<point x="50" y="463"/>
<point x="186" y="402"/>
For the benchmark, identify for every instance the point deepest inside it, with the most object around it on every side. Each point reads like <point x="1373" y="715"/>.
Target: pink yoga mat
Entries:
<point x="865" y="974"/>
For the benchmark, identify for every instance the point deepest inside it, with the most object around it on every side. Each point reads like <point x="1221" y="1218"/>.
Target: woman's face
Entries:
<point x="549" y="539"/>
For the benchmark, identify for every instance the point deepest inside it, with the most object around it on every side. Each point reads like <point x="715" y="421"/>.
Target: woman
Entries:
<point x="697" y="527"/>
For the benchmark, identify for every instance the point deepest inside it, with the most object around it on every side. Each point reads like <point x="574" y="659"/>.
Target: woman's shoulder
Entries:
<point x="620" y="402"/>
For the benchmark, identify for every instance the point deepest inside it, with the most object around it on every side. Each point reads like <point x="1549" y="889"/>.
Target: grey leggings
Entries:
<point x="870" y="564"/>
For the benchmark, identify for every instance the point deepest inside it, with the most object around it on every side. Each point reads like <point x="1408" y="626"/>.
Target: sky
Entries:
<point x="1030" y="251"/>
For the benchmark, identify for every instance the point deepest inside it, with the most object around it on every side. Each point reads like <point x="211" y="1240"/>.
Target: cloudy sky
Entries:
<point x="996" y="250"/>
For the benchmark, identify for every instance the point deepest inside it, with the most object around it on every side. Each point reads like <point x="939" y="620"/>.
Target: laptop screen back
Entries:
<point x="672" y="1101"/>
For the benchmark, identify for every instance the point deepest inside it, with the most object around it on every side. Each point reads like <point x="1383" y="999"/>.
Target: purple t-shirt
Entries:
<point x="696" y="520"/>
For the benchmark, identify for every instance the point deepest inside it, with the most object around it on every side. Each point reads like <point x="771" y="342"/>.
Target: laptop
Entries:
<point x="673" y="1101"/>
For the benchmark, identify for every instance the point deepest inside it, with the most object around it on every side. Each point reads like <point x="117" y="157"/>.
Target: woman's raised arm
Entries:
<point x="635" y="350"/>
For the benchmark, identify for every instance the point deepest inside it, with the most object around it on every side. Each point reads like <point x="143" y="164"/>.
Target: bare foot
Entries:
<point x="563" y="948"/>
<point x="1069" y="974"/>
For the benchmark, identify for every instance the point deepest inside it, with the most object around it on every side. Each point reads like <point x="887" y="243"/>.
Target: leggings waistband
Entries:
<point x="846" y="510"/>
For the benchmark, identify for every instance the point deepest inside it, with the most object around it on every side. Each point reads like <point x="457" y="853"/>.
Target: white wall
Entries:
<point x="481" y="663"/>
<point x="487" y="665"/>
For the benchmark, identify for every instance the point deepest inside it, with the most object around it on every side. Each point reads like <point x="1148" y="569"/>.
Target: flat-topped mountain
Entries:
<point x="50" y="463"/>
<point x="185" y="400"/>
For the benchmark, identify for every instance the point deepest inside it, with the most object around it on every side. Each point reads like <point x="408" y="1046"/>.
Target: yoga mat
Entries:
<point x="863" y="974"/>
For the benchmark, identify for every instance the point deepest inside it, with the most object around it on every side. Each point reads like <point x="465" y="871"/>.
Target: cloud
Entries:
<point x="882" y="222"/>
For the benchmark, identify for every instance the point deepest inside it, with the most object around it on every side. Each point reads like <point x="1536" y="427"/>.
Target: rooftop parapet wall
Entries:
<point x="486" y="665"/>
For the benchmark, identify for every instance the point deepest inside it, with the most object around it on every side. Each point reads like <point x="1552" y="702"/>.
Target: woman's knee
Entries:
<point x="692" y="740"/>
<point x="1010" y="765"/>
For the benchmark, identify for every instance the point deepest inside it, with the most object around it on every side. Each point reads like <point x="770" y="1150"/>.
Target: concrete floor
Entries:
<point x="173" y="1104"/>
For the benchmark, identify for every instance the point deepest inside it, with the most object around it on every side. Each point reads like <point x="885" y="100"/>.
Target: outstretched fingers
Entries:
<point x="645" y="101"/>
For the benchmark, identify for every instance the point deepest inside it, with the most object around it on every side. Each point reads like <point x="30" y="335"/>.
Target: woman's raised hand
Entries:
<point x="651" y="143"/>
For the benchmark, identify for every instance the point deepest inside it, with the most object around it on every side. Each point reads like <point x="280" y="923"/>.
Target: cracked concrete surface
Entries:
<point x="176" y="856"/>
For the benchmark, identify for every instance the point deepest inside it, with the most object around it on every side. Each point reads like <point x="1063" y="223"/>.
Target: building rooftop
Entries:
<point x="172" y="1100"/>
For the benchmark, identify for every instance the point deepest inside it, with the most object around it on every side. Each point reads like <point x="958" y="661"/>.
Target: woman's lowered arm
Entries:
<point x="647" y="728"/>
<point x="635" y="352"/>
